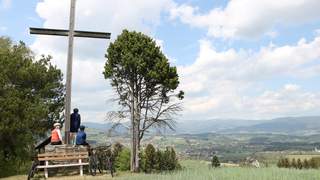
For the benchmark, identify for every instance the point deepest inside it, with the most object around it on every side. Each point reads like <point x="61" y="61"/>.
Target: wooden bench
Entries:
<point x="63" y="159"/>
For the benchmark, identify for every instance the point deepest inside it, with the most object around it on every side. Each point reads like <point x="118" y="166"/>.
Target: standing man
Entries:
<point x="75" y="121"/>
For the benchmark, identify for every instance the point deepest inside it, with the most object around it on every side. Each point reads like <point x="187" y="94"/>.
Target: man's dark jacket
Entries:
<point x="75" y="122"/>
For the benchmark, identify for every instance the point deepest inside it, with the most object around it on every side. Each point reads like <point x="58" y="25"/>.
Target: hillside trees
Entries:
<point x="31" y="98"/>
<point x="150" y="158"/>
<point x="215" y="161"/>
<point x="145" y="83"/>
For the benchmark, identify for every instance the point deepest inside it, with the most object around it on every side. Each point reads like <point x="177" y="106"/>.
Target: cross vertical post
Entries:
<point x="69" y="72"/>
<point x="71" y="33"/>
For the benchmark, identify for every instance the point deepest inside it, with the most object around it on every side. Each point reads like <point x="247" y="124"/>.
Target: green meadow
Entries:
<point x="199" y="170"/>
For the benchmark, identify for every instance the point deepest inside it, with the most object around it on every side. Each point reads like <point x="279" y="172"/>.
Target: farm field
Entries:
<point x="200" y="170"/>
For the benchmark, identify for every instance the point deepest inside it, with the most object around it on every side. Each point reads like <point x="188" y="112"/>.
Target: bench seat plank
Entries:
<point x="62" y="165"/>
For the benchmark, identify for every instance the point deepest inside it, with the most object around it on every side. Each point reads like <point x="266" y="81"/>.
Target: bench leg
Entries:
<point x="46" y="170"/>
<point x="81" y="168"/>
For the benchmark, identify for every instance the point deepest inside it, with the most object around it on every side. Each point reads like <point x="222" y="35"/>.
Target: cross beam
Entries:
<point x="64" y="32"/>
<point x="70" y="33"/>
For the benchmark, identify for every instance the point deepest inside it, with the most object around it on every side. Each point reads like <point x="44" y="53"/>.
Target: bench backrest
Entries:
<point x="62" y="156"/>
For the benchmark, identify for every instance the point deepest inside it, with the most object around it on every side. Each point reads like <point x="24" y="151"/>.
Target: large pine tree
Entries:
<point x="145" y="83"/>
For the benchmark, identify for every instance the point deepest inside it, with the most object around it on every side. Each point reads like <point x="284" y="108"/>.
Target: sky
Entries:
<point x="236" y="59"/>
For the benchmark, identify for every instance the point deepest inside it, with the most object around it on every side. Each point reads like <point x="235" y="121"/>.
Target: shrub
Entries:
<point x="149" y="158"/>
<point x="314" y="162"/>
<point x="123" y="160"/>
<point x="286" y="163"/>
<point x="280" y="163"/>
<point x="299" y="164"/>
<point x="159" y="165"/>
<point x="306" y="164"/>
<point x="170" y="159"/>
<point x="293" y="163"/>
<point x="166" y="160"/>
<point x="117" y="148"/>
<point x="215" y="161"/>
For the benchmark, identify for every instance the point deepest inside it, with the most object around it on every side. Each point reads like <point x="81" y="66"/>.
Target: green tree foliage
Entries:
<point x="293" y="163"/>
<point x="123" y="160"/>
<point x="169" y="159"/>
<point x="159" y="165"/>
<point x="31" y="98"/>
<point x="286" y="163"/>
<point x="117" y="148"/>
<point x="299" y="164"/>
<point x="149" y="158"/>
<point x="215" y="161"/>
<point x="306" y="164"/>
<point x="314" y="162"/>
<point x="145" y="83"/>
<point x="280" y="163"/>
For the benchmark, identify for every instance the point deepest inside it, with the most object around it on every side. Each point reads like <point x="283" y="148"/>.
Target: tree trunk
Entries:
<point x="133" y="149"/>
<point x="135" y="124"/>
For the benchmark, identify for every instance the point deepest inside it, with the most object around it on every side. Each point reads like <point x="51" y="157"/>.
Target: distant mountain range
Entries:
<point x="287" y="125"/>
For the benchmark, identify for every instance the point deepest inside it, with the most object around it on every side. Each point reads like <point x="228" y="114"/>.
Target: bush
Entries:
<point x="159" y="165"/>
<point x="123" y="160"/>
<point x="314" y="163"/>
<point x="117" y="148"/>
<point x="149" y="158"/>
<point x="166" y="160"/>
<point x="215" y="161"/>
<point x="293" y="163"/>
<point x="169" y="159"/>
<point x="306" y="164"/>
<point x="280" y="163"/>
<point x="286" y="163"/>
<point x="299" y="164"/>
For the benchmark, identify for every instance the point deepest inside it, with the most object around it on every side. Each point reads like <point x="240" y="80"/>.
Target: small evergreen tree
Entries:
<point x="286" y="163"/>
<point x="117" y="148"/>
<point x="306" y="164"/>
<point x="159" y="165"/>
<point x="123" y="161"/>
<point x="173" y="161"/>
<point x="280" y="163"/>
<point x="149" y="157"/>
<point x="166" y="159"/>
<point x="299" y="164"/>
<point x="215" y="161"/>
<point x="293" y="163"/>
<point x="313" y="163"/>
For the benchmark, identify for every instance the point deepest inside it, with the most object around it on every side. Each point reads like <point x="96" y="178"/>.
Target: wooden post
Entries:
<point x="46" y="170"/>
<point x="69" y="73"/>
<point x="81" y="167"/>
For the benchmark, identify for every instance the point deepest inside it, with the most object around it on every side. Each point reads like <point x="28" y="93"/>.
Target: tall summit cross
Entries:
<point x="70" y="33"/>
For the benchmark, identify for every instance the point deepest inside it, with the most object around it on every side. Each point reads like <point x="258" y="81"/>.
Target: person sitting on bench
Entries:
<point x="56" y="138"/>
<point x="81" y="137"/>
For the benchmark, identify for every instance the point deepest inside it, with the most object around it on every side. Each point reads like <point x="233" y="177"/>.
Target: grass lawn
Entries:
<point x="197" y="170"/>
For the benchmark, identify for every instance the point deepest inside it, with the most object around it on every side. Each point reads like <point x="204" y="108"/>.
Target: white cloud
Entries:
<point x="6" y="4"/>
<point x="3" y="28"/>
<point x="289" y="100"/>
<point x="90" y="90"/>
<point x="247" y="18"/>
<point x="219" y="84"/>
<point x="231" y="84"/>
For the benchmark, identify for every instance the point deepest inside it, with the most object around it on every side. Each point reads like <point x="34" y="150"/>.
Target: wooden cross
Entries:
<point x="70" y="33"/>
